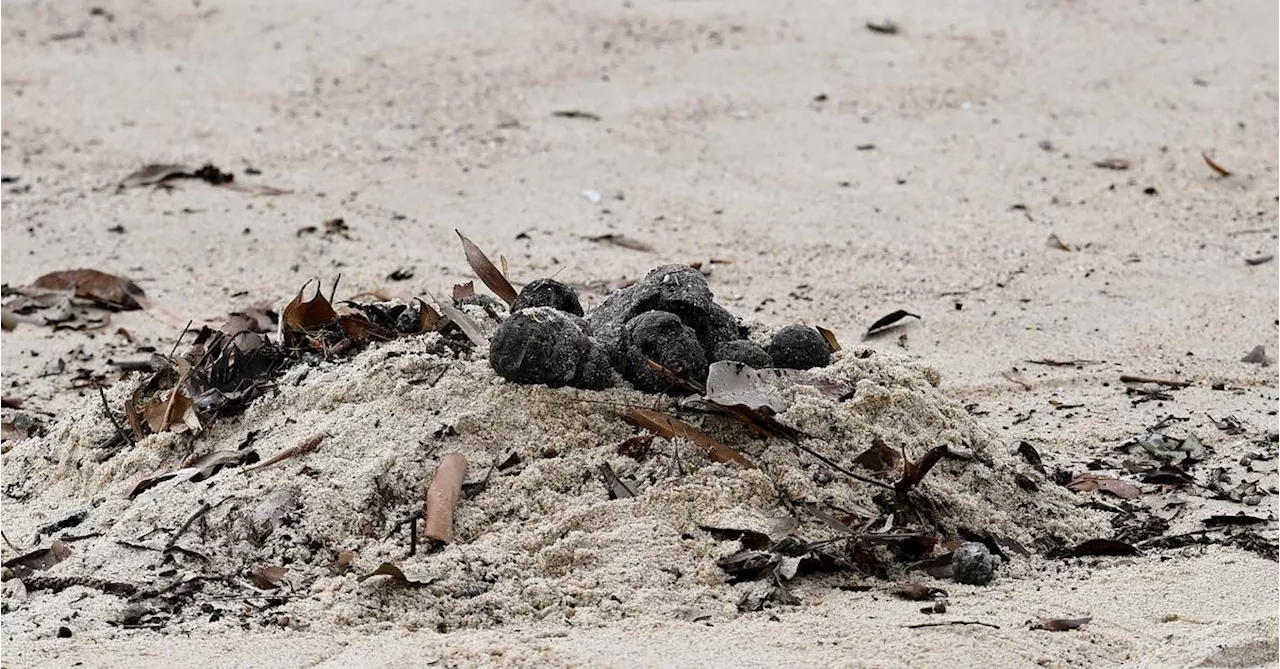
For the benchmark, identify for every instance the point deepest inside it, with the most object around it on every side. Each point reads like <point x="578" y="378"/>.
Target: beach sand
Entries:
<point x="835" y="174"/>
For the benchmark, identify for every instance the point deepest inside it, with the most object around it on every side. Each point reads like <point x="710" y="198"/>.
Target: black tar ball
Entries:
<point x="548" y="293"/>
<point x="799" y="347"/>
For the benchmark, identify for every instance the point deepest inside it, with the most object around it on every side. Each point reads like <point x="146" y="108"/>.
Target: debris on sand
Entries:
<point x="757" y="487"/>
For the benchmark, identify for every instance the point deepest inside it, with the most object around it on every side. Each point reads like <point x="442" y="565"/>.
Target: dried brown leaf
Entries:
<point x="1092" y="483"/>
<point x="462" y="291"/>
<point x="917" y="592"/>
<point x="487" y="272"/>
<point x="1060" y="624"/>
<point x="669" y="427"/>
<point x="309" y="314"/>
<point x="1222" y="171"/>
<point x="38" y="560"/>
<point x="879" y="458"/>
<point x="90" y="284"/>
<point x="830" y="337"/>
<point x="268" y="577"/>
<point x="388" y="569"/>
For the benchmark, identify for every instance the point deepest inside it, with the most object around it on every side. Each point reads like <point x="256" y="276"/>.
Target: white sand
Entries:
<point x="393" y="117"/>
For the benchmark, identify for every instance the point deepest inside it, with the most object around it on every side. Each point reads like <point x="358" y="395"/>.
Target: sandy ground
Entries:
<point x="734" y="131"/>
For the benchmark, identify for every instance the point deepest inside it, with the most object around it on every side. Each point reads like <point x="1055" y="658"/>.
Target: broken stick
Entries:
<point x="442" y="496"/>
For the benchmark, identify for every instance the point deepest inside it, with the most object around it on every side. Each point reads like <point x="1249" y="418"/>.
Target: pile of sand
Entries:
<point x="536" y="540"/>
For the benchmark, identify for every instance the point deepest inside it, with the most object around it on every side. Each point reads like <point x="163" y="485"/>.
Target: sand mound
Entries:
<point x="536" y="540"/>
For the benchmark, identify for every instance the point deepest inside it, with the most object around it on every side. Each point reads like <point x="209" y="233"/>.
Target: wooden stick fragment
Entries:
<point x="1134" y="378"/>
<point x="442" y="496"/>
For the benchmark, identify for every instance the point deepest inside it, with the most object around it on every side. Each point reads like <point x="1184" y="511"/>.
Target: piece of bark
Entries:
<point x="442" y="496"/>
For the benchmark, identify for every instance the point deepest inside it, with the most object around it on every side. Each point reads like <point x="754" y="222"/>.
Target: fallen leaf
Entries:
<point x="268" y="577"/>
<point x="914" y="472"/>
<point x="636" y="448"/>
<point x="830" y="337"/>
<point x="398" y="576"/>
<point x="1222" y="171"/>
<point x="487" y="272"/>
<point x="879" y="457"/>
<point x="104" y="289"/>
<point x="1093" y="483"/>
<point x="884" y="27"/>
<point x="201" y="470"/>
<point x="1060" y="624"/>
<point x="1103" y="547"/>
<point x="1236" y="520"/>
<point x="1054" y="242"/>
<point x="462" y="291"/>
<point x="463" y="321"/>
<point x="155" y="173"/>
<point x="892" y="320"/>
<point x="1259" y="260"/>
<point x="619" y="488"/>
<point x="669" y="427"/>
<point x="38" y="560"/>
<point x="574" y="113"/>
<point x="917" y="592"/>
<point x="309" y="314"/>
<point x="621" y="240"/>
<point x="1118" y="164"/>
<point x="1031" y="455"/>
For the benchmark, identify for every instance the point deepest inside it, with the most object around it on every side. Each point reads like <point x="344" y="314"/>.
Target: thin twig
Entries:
<point x="827" y="461"/>
<point x="1133" y="378"/>
<point x="953" y="622"/>
<point x="105" y="407"/>
<point x="180" y="336"/>
<point x="205" y="508"/>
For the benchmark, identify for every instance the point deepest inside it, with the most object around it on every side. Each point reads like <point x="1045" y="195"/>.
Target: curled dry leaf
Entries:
<point x="268" y="577"/>
<point x="879" y="458"/>
<point x="488" y="273"/>
<point x="830" y="337"/>
<point x="104" y="289"/>
<point x="917" y="592"/>
<point x="1060" y="624"/>
<point x="892" y="320"/>
<point x="309" y="314"/>
<point x="1222" y="171"/>
<point x="203" y="468"/>
<point x="621" y="240"/>
<point x="398" y="576"/>
<point x="1092" y="483"/>
<point x="464" y="290"/>
<point x="39" y="560"/>
<point x="914" y="472"/>
<point x="669" y="427"/>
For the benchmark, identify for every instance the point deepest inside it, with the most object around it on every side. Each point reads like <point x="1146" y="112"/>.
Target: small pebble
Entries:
<point x="548" y="293"/>
<point x="973" y="564"/>
<point x="799" y="347"/>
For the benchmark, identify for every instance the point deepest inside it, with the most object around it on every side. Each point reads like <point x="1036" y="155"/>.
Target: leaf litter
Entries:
<point x="344" y="370"/>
